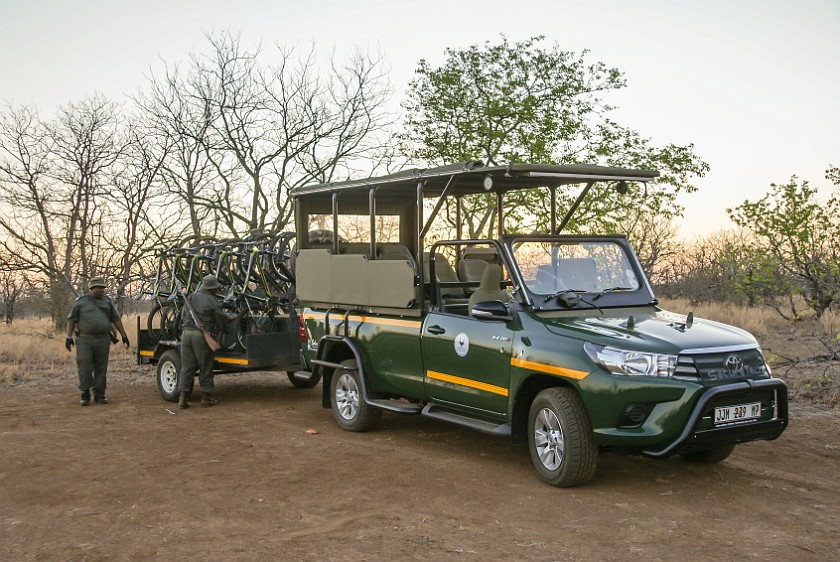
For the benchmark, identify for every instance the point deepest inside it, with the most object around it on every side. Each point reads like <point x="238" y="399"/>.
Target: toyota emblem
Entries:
<point x="734" y="364"/>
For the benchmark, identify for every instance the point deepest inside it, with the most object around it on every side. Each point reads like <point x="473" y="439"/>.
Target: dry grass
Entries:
<point x="28" y="346"/>
<point x="757" y="321"/>
<point x="30" y="349"/>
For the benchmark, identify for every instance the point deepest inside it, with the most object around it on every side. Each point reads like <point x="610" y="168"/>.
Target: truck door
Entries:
<point x="467" y="362"/>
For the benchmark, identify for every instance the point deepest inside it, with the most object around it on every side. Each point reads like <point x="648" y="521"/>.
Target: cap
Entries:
<point x="97" y="282"/>
<point x="210" y="282"/>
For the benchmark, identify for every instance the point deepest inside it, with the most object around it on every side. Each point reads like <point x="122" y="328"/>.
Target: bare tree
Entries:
<point x="177" y="123"/>
<point x="655" y="240"/>
<point x="267" y="129"/>
<point x="61" y="206"/>
<point x="11" y="290"/>
<point x="33" y="218"/>
<point x="86" y="143"/>
<point x="140" y="215"/>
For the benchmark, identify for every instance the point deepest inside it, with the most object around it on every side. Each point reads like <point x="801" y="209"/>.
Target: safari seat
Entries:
<point x="444" y="273"/>
<point x="489" y="255"/>
<point x="490" y="287"/>
<point x="471" y="270"/>
<point x="394" y="251"/>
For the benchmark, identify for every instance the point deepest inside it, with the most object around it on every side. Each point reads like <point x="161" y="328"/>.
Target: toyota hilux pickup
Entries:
<point x="556" y="341"/>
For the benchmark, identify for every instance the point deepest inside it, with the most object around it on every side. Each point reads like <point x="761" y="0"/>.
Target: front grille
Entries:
<point x="685" y="367"/>
<point x="723" y="367"/>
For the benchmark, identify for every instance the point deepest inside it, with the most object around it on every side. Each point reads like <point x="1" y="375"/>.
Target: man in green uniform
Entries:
<point x="90" y="320"/>
<point x="195" y="352"/>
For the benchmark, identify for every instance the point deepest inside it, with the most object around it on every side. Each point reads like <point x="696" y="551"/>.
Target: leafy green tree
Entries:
<point x="524" y="102"/>
<point x="833" y="175"/>
<point x="799" y="235"/>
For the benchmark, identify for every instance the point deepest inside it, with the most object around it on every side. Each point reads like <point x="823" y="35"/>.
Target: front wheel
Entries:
<point x="560" y="438"/>
<point x="349" y="409"/>
<point x="168" y="367"/>
<point x="709" y="456"/>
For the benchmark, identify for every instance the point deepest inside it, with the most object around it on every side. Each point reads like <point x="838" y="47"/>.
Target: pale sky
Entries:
<point x="754" y="84"/>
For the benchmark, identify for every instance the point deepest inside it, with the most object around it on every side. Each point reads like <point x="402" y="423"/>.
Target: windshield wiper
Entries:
<point x="600" y="294"/>
<point x="570" y="298"/>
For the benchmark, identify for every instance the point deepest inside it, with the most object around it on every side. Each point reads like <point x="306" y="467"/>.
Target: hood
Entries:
<point x="650" y="330"/>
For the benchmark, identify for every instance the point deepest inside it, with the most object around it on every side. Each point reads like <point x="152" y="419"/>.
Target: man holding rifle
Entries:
<point x="201" y="315"/>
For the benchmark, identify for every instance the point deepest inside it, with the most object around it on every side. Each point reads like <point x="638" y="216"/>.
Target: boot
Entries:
<point x="207" y="400"/>
<point x="85" y="398"/>
<point x="182" y="400"/>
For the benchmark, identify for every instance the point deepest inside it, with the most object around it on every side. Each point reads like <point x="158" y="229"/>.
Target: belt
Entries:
<point x="93" y="335"/>
<point x="192" y="331"/>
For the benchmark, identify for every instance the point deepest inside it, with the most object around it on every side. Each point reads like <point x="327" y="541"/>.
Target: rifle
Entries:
<point x="214" y="345"/>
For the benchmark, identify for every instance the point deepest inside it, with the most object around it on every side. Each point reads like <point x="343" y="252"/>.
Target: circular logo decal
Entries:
<point x="462" y="344"/>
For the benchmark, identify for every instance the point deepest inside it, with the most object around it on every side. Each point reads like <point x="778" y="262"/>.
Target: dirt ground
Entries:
<point x="247" y="480"/>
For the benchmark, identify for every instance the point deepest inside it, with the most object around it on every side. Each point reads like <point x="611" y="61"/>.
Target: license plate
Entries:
<point x="742" y="412"/>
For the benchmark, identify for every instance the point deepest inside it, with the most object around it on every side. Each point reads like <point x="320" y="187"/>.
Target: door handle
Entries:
<point x="436" y="330"/>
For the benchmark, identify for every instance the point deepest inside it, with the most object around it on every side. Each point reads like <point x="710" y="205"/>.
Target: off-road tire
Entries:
<point x="560" y="438"/>
<point x="349" y="408"/>
<point x="709" y="456"/>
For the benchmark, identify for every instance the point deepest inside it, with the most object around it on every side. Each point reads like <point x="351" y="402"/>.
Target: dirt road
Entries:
<point x="139" y="479"/>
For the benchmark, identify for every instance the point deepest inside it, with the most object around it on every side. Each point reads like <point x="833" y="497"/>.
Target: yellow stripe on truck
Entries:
<point x="460" y="381"/>
<point x="549" y="369"/>
<point x="232" y="361"/>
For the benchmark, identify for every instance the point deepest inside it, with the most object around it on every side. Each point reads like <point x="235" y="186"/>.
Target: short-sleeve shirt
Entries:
<point x="93" y="316"/>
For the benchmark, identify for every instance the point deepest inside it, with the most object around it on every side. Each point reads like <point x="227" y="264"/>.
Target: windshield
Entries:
<point x="551" y="267"/>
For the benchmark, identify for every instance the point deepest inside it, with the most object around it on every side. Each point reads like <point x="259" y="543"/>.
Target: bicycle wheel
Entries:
<point x="162" y="323"/>
<point x="258" y="322"/>
<point x="283" y="248"/>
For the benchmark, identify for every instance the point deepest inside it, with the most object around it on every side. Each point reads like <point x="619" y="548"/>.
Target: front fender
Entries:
<point x="332" y="350"/>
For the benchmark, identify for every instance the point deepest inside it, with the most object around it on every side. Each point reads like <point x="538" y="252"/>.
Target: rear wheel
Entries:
<point x="349" y="409"/>
<point x="168" y="369"/>
<point x="709" y="456"/>
<point x="560" y="438"/>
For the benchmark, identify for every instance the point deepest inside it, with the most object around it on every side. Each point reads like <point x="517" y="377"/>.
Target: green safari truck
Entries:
<point x="555" y="341"/>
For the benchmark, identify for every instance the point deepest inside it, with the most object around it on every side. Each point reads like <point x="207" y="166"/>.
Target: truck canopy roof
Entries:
<point x="471" y="177"/>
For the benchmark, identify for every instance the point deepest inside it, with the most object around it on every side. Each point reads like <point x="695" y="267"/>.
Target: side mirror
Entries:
<point x="491" y="310"/>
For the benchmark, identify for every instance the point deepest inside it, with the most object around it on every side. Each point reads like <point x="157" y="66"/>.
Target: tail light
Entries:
<point x="301" y="329"/>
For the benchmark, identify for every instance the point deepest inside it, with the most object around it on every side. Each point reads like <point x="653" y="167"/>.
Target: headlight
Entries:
<point x="627" y="362"/>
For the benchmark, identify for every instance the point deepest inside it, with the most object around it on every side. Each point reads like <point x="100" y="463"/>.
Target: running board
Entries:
<point x="432" y="411"/>
<point x="392" y="407"/>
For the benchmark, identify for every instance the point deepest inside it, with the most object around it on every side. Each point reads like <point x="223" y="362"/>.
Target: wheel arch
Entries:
<point x="533" y="384"/>
<point x="335" y="351"/>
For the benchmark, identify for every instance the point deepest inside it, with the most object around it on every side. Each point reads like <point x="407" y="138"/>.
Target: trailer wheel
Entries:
<point x="560" y="438"/>
<point x="168" y="367"/>
<point x="349" y="409"/>
<point x="302" y="384"/>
